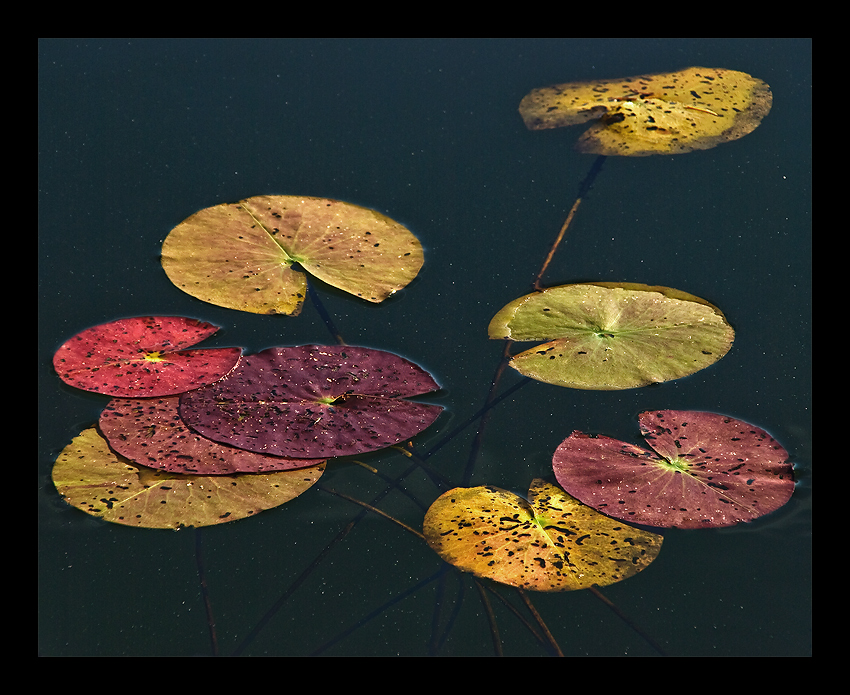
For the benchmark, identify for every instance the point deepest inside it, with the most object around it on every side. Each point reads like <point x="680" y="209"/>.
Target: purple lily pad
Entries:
<point x="149" y="432"/>
<point x="143" y="357"/>
<point x="314" y="402"/>
<point x="707" y="471"/>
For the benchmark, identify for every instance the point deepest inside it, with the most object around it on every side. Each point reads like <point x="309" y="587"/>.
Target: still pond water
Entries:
<point x="134" y="136"/>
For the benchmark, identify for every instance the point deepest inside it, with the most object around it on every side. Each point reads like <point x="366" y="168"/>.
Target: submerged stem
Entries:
<point x="582" y="192"/>
<point x="373" y="509"/>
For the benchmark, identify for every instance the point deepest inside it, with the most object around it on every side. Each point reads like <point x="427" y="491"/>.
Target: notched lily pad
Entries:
<point x="96" y="480"/>
<point x="549" y="543"/>
<point x="666" y="113"/>
<point x="143" y="357"/>
<point x="314" y="401"/>
<point x="150" y="432"/>
<point x="243" y="255"/>
<point x="706" y="471"/>
<point x="609" y="336"/>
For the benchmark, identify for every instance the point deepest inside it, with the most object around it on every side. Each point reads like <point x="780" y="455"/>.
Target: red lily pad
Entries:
<point x="314" y="402"/>
<point x="143" y="357"/>
<point x="706" y="471"/>
<point x="149" y="432"/>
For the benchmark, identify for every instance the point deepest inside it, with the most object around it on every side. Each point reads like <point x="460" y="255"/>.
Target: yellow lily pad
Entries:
<point x="551" y="542"/>
<point x="96" y="480"/>
<point x="250" y="255"/>
<point x="666" y="113"/>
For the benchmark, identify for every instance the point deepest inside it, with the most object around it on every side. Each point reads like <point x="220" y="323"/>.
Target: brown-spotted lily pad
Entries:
<point x="551" y="542"/>
<point x="667" y="113"/>
<point x="150" y="432"/>
<point x="143" y="357"/>
<point x="705" y="470"/>
<point x="93" y="478"/>
<point x="609" y="336"/>
<point x="250" y="255"/>
<point x="314" y="401"/>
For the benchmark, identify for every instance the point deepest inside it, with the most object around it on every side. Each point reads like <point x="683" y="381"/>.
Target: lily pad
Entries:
<point x="314" y="402"/>
<point x="666" y="113"/>
<point x="150" y="432"/>
<point x="143" y="357"/>
<point x="706" y="471"/>
<point x="244" y="255"/>
<point x="91" y="477"/>
<point x="551" y="542"/>
<point x="608" y="336"/>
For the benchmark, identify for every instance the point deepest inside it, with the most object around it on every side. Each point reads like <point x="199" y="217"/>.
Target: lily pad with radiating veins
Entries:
<point x="551" y="542"/>
<point x="151" y="433"/>
<point x="93" y="478"/>
<point x="667" y="113"/>
<point x="314" y="402"/>
<point x="608" y="336"/>
<point x="247" y="255"/>
<point x="706" y="471"/>
<point x="143" y="357"/>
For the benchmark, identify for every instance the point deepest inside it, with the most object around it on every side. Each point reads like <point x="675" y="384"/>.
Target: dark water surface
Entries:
<point x="135" y="136"/>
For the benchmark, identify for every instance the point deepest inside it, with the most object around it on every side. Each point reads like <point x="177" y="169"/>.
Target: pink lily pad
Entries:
<point x="149" y="432"/>
<point x="706" y="471"/>
<point x="314" y="402"/>
<point x="143" y="357"/>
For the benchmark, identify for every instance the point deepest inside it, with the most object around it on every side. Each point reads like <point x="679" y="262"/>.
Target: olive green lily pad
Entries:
<point x="609" y="336"/>
<point x="552" y="542"/>
<point x="667" y="113"/>
<point x="91" y="477"/>
<point x="243" y="255"/>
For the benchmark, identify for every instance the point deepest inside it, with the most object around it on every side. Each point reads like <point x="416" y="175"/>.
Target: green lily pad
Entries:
<point x="552" y="542"/>
<point x="244" y="255"/>
<point x="91" y="477"/>
<point x="608" y="336"/>
<point x="667" y="113"/>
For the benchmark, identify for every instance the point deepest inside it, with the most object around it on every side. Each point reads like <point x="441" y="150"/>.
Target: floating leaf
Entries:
<point x="549" y="543"/>
<point x="143" y="357"/>
<point x="608" y="336"/>
<point x="314" y="402"/>
<point x="668" y="113"/>
<point x="91" y="477"/>
<point x="709" y="471"/>
<point x="151" y="433"/>
<point x="243" y="255"/>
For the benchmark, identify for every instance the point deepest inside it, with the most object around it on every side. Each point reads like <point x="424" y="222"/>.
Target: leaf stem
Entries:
<point x="549" y="637"/>
<point x="583" y="190"/>
<point x="628" y="621"/>
<point x="323" y="313"/>
<point x="373" y="509"/>
<point x="205" y="593"/>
